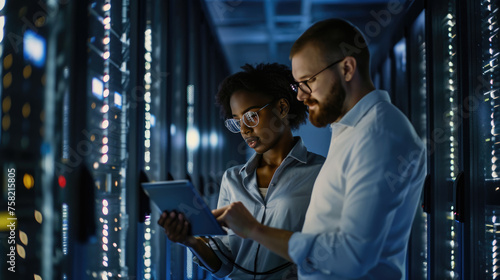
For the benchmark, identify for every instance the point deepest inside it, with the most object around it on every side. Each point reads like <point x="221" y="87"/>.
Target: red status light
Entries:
<point x="62" y="181"/>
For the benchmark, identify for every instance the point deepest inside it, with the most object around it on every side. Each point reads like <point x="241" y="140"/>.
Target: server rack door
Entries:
<point x="33" y="227"/>
<point x="411" y="57"/>
<point x="181" y="128"/>
<point x="445" y="134"/>
<point x="56" y="73"/>
<point x="177" y="66"/>
<point x="154" y="138"/>
<point x="106" y="102"/>
<point x="482" y="215"/>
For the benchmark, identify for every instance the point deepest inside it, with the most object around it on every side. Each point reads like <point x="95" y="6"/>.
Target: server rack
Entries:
<point x="464" y="92"/>
<point x="419" y="116"/>
<point x="481" y="199"/>
<point x="30" y="96"/>
<point x="81" y="118"/>
<point x="65" y="125"/>
<point x="108" y="81"/>
<point x="490" y="236"/>
<point x="445" y="147"/>
<point x="179" y="126"/>
<point x="152" y="137"/>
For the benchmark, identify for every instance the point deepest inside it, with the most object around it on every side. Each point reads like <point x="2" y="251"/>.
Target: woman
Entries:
<point x="275" y="184"/>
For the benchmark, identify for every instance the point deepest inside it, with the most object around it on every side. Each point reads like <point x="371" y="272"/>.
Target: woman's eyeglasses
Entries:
<point x="250" y="119"/>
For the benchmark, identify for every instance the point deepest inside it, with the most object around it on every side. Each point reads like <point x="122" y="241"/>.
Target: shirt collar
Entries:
<point x="354" y="115"/>
<point x="298" y="152"/>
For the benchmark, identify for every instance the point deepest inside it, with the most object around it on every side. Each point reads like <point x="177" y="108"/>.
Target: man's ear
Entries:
<point x="349" y="68"/>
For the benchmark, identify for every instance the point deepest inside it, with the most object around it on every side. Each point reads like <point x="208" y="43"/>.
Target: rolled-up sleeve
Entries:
<point x="329" y="254"/>
<point x="299" y="246"/>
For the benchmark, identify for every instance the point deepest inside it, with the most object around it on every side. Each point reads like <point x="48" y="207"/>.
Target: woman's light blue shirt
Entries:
<point x="283" y="207"/>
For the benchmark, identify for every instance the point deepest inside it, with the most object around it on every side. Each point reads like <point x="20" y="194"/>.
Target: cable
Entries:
<point x="271" y="271"/>
<point x="255" y="261"/>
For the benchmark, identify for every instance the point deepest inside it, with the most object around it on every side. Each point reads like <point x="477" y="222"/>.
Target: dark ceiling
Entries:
<point x="254" y="31"/>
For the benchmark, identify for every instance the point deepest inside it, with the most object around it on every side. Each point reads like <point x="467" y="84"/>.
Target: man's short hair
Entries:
<point x="336" y="38"/>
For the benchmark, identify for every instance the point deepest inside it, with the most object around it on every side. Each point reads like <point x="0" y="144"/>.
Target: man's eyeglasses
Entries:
<point x="303" y="84"/>
<point x="250" y="119"/>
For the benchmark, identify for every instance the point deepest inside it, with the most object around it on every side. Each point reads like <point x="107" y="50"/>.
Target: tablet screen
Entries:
<point x="182" y="197"/>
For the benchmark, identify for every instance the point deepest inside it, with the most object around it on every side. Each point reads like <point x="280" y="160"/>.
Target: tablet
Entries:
<point x="181" y="196"/>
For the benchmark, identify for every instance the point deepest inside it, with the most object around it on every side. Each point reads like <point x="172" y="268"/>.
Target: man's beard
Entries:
<point x="330" y="110"/>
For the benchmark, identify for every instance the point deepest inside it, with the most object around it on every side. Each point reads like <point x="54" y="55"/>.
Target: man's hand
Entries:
<point x="176" y="228"/>
<point x="236" y="217"/>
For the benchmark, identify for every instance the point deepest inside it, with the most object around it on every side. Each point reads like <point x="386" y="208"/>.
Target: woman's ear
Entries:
<point x="284" y="107"/>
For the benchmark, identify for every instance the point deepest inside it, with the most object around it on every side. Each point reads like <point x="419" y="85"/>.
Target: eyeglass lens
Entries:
<point x="250" y="119"/>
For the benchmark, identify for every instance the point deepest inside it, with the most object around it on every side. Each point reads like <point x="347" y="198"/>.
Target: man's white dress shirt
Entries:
<point x="364" y="199"/>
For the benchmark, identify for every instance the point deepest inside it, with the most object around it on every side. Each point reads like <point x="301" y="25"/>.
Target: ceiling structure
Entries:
<point x="254" y="31"/>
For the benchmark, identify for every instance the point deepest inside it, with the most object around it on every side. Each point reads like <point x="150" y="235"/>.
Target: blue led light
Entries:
<point x="97" y="88"/>
<point x="34" y="48"/>
<point x="118" y="100"/>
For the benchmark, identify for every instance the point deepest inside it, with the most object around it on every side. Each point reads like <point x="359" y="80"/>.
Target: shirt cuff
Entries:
<point x="200" y="264"/>
<point x="227" y="266"/>
<point x="299" y="247"/>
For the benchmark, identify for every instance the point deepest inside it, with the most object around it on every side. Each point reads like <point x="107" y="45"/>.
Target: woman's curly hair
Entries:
<point x="269" y="79"/>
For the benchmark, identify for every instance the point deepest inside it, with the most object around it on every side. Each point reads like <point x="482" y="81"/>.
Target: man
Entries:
<point x="364" y="199"/>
